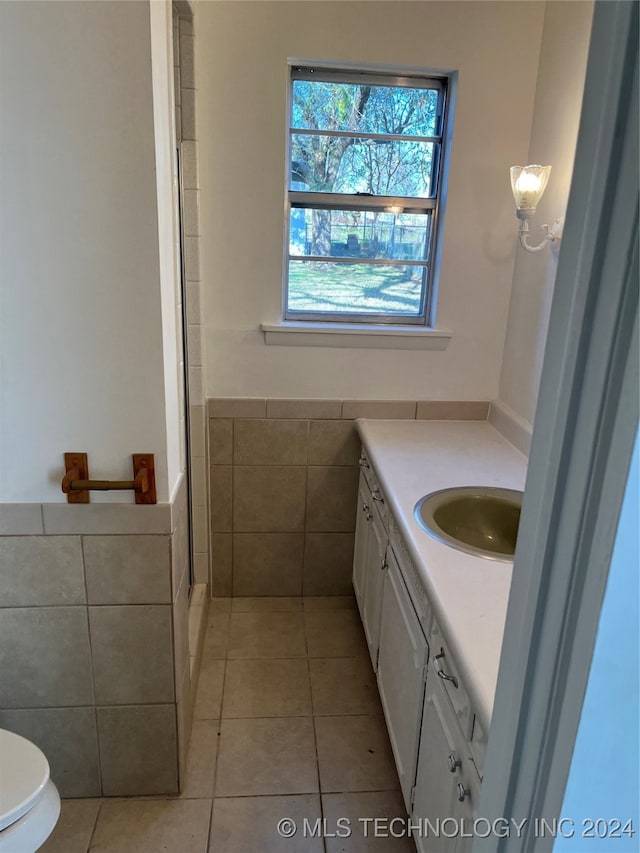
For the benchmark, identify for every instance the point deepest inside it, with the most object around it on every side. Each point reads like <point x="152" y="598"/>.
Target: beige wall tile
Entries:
<point x="151" y="826"/>
<point x="138" y="751"/>
<point x="197" y="427"/>
<point x="281" y="408"/>
<point x="201" y="566"/>
<point x="62" y="518"/>
<point x="199" y="482"/>
<point x="328" y="564"/>
<point x="237" y="407"/>
<point x="73" y="831"/>
<point x="180" y="615"/>
<point x="354" y="754"/>
<point x="184" y="719"/>
<point x="39" y="570"/>
<point x="333" y="443"/>
<point x="331" y="499"/>
<point x="266" y="757"/>
<point x="132" y="654"/>
<point x="45" y="658"/>
<point x="221" y="564"/>
<point x="267" y="563"/>
<point x="127" y="569"/>
<point x="192" y="263"/>
<point x="404" y="409"/>
<point x="455" y="410"/>
<point x="245" y="823"/>
<point x="220" y="441"/>
<point x="21" y="520"/>
<point x="200" y="529"/>
<point x="221" y="496"/>
<point x="179" y="554"/>
<point x="269" y="498"/>
<point x="270" y="442"/>
<point x="68" y="738"/>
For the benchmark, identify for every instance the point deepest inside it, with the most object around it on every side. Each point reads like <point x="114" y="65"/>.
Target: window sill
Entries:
<point x="351" y="336"/>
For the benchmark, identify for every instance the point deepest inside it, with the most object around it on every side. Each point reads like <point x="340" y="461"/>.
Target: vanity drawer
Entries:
<point x="441" y="666"/>
<point x="378" y="501"/>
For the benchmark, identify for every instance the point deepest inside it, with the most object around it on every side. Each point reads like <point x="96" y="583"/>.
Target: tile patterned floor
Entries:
<point x="287" y="724"/>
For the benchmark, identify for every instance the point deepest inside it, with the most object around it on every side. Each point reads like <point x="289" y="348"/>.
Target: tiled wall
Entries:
<point x="94" y="650"/>
<point x="283" y="486"/>
<point x="185" y="106"/>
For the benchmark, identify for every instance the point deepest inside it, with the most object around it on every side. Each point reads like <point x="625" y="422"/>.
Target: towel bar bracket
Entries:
<point x="76" y="483"/>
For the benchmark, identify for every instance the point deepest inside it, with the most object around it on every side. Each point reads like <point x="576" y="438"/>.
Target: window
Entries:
<point x="365" y="155"/>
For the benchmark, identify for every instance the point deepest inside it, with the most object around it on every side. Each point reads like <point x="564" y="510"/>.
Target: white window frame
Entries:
<point x="425" y="321"/>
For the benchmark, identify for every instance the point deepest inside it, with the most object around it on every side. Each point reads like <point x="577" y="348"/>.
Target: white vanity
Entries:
<point x="433" y="616"/>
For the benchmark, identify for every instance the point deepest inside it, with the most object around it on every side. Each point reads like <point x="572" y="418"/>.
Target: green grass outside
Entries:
<point x="354" y="288"/>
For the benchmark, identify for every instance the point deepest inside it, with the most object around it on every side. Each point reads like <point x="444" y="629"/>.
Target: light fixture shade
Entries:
<point x="528" y="184"/>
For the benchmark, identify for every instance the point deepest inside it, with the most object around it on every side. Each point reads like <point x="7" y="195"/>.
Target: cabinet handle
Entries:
<point x="443" y="675"/>
<point x="364" y="463"/>
<point x="377" y="496"/>
<point x="463" y="792"/>
<point x="384" y="565"/>
<point x="453" y="762"/>
<point x="365" y="508"/>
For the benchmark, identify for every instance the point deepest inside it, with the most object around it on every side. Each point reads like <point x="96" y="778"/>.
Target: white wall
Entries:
<point x="81" y="336"/>
<point x="559" y="89"/>
<point x="241" y="68"/>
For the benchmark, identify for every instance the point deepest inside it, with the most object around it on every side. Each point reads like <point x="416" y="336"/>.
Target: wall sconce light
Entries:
<point x="528" y="183"/>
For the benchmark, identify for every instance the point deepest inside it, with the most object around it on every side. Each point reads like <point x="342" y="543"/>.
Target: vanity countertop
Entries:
<point x="468" y="594"/>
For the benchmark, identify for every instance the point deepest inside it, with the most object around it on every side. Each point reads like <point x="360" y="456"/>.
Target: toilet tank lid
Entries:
<point x="24" y="772"/>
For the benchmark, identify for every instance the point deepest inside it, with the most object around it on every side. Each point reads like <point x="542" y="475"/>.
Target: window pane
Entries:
<point x="370" y="109"/>
<point x="339" y="164"/>
<point x="359" y="234"/>
<point x="342" y="288"/>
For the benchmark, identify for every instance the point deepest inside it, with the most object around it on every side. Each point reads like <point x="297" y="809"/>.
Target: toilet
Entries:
<point x="29" y="801"/>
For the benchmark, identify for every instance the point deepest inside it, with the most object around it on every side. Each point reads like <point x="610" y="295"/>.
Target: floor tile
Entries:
<point x="74" y="829"/>
<point x="201" y="761"/>
<point x="354" y="754"/>
<point x="209" y="694"/>
<point x="273" y="604"/>
<point x="342" y="686"/>
<point x="335" y="633"/>
<point x="220" y="605"/>
<point x="216" y="637"/>
<point x="150" y="826"/>
<point x="249" y="824"/>
<point x="267" y="688"/>
<point x="267" y="635"/>
<point x="274" y="756"/>
<point x="314" y="603"/>
<point x="384" y="837"/>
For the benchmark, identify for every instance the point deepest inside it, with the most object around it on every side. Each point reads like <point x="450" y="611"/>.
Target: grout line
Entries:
<point x="95" y="824"/>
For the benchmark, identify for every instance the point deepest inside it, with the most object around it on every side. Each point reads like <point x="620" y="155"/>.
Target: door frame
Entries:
<point x="584" y="431"/>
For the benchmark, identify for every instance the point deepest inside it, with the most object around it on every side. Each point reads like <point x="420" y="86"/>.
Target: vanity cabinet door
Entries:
<point x="374" y="586"/>
<point x="364" y="518"/>
<point x="447" y="783"/>
<point x="435" y="792"/>
<point x="402" y="663"/>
